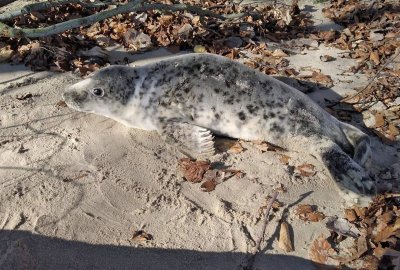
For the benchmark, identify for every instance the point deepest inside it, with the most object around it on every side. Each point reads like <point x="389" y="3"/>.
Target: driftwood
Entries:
<point x="133" y="6"/>
<point x="43" y="6"/>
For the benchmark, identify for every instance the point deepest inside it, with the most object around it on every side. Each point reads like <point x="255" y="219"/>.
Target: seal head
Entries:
<point x="104" y="93"/>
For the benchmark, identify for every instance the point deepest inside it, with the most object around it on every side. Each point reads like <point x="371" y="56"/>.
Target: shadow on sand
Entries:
<point x="24" y="250"/>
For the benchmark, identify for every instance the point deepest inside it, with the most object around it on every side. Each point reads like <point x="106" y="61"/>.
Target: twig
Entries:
<point x="134" y="6"/>
<point x="44" y="6"/>
<point x="262" y="231"/>
<point x="248" y="263"/>
<point x="373" y="78"/>
<point x="6" y="2"/>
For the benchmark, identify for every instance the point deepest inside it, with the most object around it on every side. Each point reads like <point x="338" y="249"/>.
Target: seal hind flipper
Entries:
<point x="360" y="142"/>
<point x="354" y="183"/>
<point x="193" y="141"/>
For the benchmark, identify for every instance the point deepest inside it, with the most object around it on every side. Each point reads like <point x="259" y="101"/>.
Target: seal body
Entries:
<point x="188" y="98"/>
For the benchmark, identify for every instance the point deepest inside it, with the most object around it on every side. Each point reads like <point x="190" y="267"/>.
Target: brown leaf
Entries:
<point x="360" y="211"/>
<point x="61" y="103"/>
<point x="208" y="186"/>
<point x="141" y="236"/>
<point x="306" y="170"/>
<point x="193" y="171"/>
<point x="5" y="54"/>
<point x="307" y="212"/>
<point x="315" y="216"/>
<point x="264" y="146"/>
<point x="323" y="79"/>
<point x="328" y="35"/>
<point x="379" y="120"/>
<point x="284" y="159"/>
<point x="393" y="130"/>
<point x="387" y="232"/>
<point x="279" y="53"/>
<point x="374" y="57"/>
<point x="350" y="215"/>
<point x="228" y="145"/>
<point x="303" y="209"/>
<point x="321" y="250"/>
<point x="284" y="238"/>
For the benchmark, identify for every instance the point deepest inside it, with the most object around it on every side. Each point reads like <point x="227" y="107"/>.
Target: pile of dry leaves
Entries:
<point x="372" y="37"/>
<point x="83" y="48"/>
<point x="366" y="238"/>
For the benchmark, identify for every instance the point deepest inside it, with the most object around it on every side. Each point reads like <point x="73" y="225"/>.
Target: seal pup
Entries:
<point x="188" y="98"/>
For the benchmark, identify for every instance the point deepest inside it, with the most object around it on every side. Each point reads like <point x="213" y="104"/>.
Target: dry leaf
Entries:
<point x="284" y="159"/>
<point x="321" y="250"/>
<point x="328" y="35"/>
<point x="323" y="79"/>
<point x="5" y="54"/>
<point x="315" y="216"/>
<point x="279" y="53"/>
<point x="141" y="236"/>
<point x="387" y="232"/>
<point x="393" y="130"/>
<point x="193" y="171"/>
<point x="374" y="57"/>
<point x="228" y="145"/>
<point x="379" y="120"/>
<point x="350" y="215"/>
<point x="307" y="212"/>
<point x="304" y="209"/>
<point x="284" y="238"/>
<point x="306" y="170"/>
<point x="61" y="103"/>
<point x="208" y="186"/>
<point x="264" y="146"/>
<point x="360" y="211"/>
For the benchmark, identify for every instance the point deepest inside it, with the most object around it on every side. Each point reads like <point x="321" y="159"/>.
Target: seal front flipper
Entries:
<point x="353" y="182"/>
<point x="194" y="141"/>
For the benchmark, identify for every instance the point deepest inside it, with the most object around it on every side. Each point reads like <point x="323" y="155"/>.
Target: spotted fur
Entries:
<point x="188" y="96"/>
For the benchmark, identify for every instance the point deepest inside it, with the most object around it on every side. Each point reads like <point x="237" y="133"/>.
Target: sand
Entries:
<point x="74" y="187"/>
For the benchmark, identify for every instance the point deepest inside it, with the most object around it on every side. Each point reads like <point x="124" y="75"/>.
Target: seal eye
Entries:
<point x="97" y="92"/>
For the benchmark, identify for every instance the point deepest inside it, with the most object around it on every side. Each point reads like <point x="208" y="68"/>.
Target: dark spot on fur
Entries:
<point x="217" y="116"/>
<point x="217" y="90"/>
<point x="201" y="97"/>
<point x="252" y="109"/>
<point x="276" y="128"/>
<point x="242" y="116"/>
<point x="229" y="100"/>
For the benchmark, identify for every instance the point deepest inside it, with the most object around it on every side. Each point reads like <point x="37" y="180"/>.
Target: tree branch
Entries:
<point x="6" y="2"/>
<point x="43" y="6"/>
<point x="134" y="6"/>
